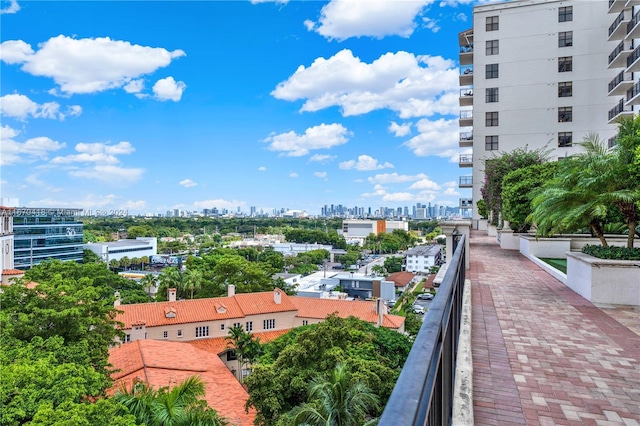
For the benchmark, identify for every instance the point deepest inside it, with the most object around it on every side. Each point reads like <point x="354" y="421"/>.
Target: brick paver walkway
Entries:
<point x="542" y="354"/>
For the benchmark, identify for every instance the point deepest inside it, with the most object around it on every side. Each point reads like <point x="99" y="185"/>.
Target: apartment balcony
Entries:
<point x="612" y="141"/>
<point x="618" y="29"/>
<point x="616" y="6"/>
<point x="466" y="203"/>
<point x="633" y="60"/>
<point x="466" y="96"/>
<point x="466" y="160"/>
<point x="630" y="3"/>
<point x="466" y="118"/>
<point x="466" y="182"/>
<point x="618" y="57"/>
<point x="466" y="75"/>
<point x="619" y="111"/>
<point x="465" y="40"/>
<point x="620" y="84"/>
<point x="633" y="27"/>
<point x="633" y="95"/>
<point x="466" y="139"/>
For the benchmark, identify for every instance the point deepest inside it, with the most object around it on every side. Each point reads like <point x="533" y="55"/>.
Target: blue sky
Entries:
<point x="149" y="106"/>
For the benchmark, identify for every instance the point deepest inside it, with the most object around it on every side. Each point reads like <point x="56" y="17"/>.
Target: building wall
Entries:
<point x="527" y="59"/>
<point x="143" y="246"/>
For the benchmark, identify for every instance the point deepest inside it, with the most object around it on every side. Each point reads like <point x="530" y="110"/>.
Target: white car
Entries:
<point x="425" y="296"/>
<point x="418" y="310"/>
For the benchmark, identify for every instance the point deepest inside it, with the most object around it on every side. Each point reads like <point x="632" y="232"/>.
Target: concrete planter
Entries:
<point x="604" y="282"/>
<point x="555" y="247"/>
<point x="482" y="224"/>
<point x="492" y="230"/>
<point x="509" y="240"/>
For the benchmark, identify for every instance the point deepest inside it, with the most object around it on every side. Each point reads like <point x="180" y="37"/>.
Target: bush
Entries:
<point x="612" y="252"/>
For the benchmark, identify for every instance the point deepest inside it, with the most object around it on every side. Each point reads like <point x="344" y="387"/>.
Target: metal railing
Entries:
<point x="618" y="50"/>
<point x="423" y="394"/>
<point x="617" y="22"/>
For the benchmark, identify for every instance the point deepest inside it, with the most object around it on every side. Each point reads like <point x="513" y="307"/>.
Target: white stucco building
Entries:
<point x="422" y="258"/>
<point x="141" y="246"/>
<point x="538" y="73"/>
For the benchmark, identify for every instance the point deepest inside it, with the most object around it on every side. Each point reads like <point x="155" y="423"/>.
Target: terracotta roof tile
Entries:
<point x="165" y="363"/>
<point x="401" y="279"/>
<point x="12" y="272"/>
<point x="311" y="307"/>
<point x="217" y="345"/>
<point x="264" y="302"/>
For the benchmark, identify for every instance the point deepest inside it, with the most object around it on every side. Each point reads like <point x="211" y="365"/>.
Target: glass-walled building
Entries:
<point x="44" y="233"/>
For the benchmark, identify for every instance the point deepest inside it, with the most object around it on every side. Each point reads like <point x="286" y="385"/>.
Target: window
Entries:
<point x="202" y="331"/>
<point x="249" y="326"/>
<point x="231" y="356"/>
<point x="565" y="14"/>
<point x="305" y="322"/>
<point x="491" y="94"/>
<point x="491" y="119"/>
<point x="491" y="143"/>
<point x="492" y="23"/>
<point x="491" y="71"/>
<point x="565" y="39"/>
<point x="127" y="338"/>
<point x="269" y="324"/>
<point x="179" y="333"/>
<point x="565" y="114"/>
<point x="492" y="47"/>
<point x="165" y="334"/>
<point x="237" y="324"/>
<point x="222" y="327"/>
<point x="565" y="63"/>
<point x="565" y="139"/>
<point x="565" y="89"/>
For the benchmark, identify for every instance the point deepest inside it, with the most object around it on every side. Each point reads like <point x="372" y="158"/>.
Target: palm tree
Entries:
<point x="125" y="262"/>
<point x="148" y="282"/>
<point x="245" y="344"/>
<point x="114" y="264"/>
<point x="178" y="406"/>
<point x="144" y="260"/>
<point x="338" y="401"/>
<point x="170" y="277"/>
<point x="192" y="281"/>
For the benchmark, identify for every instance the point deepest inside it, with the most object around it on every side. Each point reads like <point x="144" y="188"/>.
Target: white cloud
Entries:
<point x="425" y="184"/>
<point x="323" y="136"/>
<point x="187" y="183"/>
<point x="219" y="203"/>
<point x="378" y="190"/>
<point x="96" y="153"/>
<point x="400" y="130"/>
<point x="365" y="163"/>
<point x="89" y="202"/>
<point x="395" y="178"/>
<point x="109" y="174"/>
<point x="262" y="169"/>
<point x="398" y="196"/>
<point x="451" y="191"/>
<point x="321" y="175"/>
<point x="440" y="138"/>
<point x="13" y="7"/>
<point x="168" y="89"/>
<point x="21" y="107"/>
<point x="431" y="24"/>
<point x="134" y="86"/>
<point x="293" y="175"/>
<point x="134" y="206"/>
<point x="322" y="158"/>
<point x="402" y="82"/>
<point x="12" y="151"/>
<point x="87" y="65"/>
<point x="342" y="19"/>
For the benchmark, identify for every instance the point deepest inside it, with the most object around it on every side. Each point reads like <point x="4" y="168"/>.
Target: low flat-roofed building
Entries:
<point x="422" y="258"/>
<point x="141" y="246"/>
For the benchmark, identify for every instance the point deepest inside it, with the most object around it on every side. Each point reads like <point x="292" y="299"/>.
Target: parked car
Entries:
<point x="425" y="296"/>
<point x="418" y="310"/>
<point x="391" y="303"/>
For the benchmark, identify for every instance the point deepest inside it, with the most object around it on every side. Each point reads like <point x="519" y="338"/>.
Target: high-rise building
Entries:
<point x="537" y="74"/>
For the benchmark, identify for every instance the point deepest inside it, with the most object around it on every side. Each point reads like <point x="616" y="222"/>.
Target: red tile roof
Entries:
<point x="263" y="302"/>
<point x="217" y="345"/>
<point x="12" y="272"/>
<point x="401" y="279"/>
<point x="311" y="307"/>
<point x="165" y="363"/>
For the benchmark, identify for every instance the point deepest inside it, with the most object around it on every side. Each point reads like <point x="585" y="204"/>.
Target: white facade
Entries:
<point x="141" y="246"/>
<point x="6" y="238"/>
<point x="534" y="74"/>
<point x="422" y="258"/>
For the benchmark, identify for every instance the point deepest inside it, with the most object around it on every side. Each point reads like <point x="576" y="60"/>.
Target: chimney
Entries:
<point x="138" y="331"/>
<point x="172" y="294"/>
<point x="380" y="310"/>
<point x="231" y="290"/>
<point x="277" y="296"/>
<point x="116" y="302"/>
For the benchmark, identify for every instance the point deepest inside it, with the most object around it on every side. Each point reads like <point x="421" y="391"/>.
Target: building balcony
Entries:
<point x="612" y="141"/>
<point x="466" y="182"/>
<point x="466" y="75"/>
<point x="620" y="84"/>
<point x="618" y="57"/>
<point x="633" y="27"/>
<point x="620" y="110"/>
<point x="466" y="203"/>
<point x="466" y="96"/>
<point x="633" y="60"/>
<point x="616" y="6"/>
<point x="630" y="3"/>
<point x="465" y="40"/>
<point x="466" y="118"/>
<point x="466" y="160"/>
<point x="633" y="95"/>
<point x="618" y="29"/>
<point x="466" y="139"/>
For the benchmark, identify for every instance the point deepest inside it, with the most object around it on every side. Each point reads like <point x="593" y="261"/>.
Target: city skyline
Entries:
<point x="155" y="106"/>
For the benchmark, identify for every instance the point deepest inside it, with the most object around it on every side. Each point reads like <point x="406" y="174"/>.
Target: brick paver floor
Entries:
<point x="542" y="354"/>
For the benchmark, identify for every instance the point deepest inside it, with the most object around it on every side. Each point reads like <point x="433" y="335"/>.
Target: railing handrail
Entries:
<point x="423" y="394"/>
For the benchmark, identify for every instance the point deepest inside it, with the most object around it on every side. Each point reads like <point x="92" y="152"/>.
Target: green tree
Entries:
<point x="148" y="282"/>
<point x="141" y="231"/>
<point x="90" y="257"/>
<point x="170" y="277"/>
<point x="114" y="264"/>
<point x="341" y="400"/>
<point x="245" y="345"/>
<point x="379" y="270"/>
<point x="393" y="264"/>
<point x="192" y="281"/>
<point x="125" y="262"/>
<point x="181" y="405"/>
